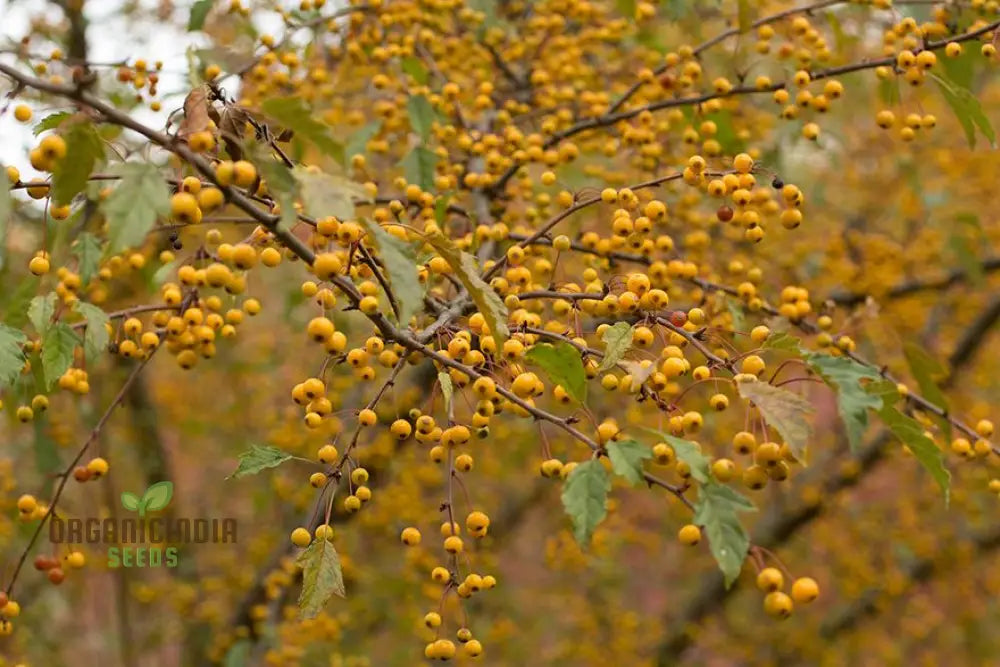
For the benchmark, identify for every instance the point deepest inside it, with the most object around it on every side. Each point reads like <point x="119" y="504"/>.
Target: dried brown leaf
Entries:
<point x="196" y="112"/>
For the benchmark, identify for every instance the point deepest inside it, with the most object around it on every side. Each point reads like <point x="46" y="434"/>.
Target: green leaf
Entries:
<point x="421" y="115"/>
<point x="41" y="310"/>
<point x="967" y="109"/>
<point x="584" y="496"/>
<point x="965" y="253"/>
<point x="783" y="341"/>
<point x="130" y="501"/>
<point x="853" y="401"/>
<point x="321" y="577"/>
<point x="736" y="312"/>
<point x="441" y="208"/>
<point x="467" y="269"/>
<point x="161" y="275"/>
<point x="17" y="302"/>
<point x="281" y="183"/>
<point x="157" y="496"/>
<point x="358" y="143"/>
<point x="725" y="132"/>
<point x="626" y="8"/>
<point x="294" y="113"/>
<point x="50" y="122"/>
<point x="562" y="364"/>
<point x="744" y="20"/>
<point x="6" y="209"/>
<point x="11" y="354"/>
<point x="617" y="341"/>
<point x="447" y="390"/>
<point x="46" y="451"/>
<point x="259" y="458"/>
<point x="912" y="435"/>
<point x="238" y="654"/>
<point x="716" y="510"/>
<point x="199" y="11"/>
<point x="960" y="70"/>
<point x="133" y="207"/>
<point x="787" y="412"/>
<point x="888" y="91"/>
<point x="689" y="452"/>
<point x="627" y="457"/>
<point x="927" y="371"/>
<point x="83" y="150"/>
<point x="87" y="250"/>
<point x="95" y="340"/>
<point x="58" y="343"/>
<point x="419" y="167"/>
<point x="400" y="261"/>
<point x="325" y="194"/>
<point x="414" y="68"/>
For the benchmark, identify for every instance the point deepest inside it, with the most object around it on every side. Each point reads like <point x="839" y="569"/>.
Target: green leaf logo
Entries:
<point x="155" y="498"/>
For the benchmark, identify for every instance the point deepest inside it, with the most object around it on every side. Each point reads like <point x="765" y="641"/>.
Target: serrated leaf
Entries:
<point x="617" y="341"/>
<point x="466" y="269"/>
<point x="326" y="194"/>
<point x="911" y="433"/>
<point x="447" y="390"/>
<point x="321" y="577"/>
<point x="638" y="374"/>
<point x="786" y="412"/>
<point x="562" y="364"/>
<point x="87" y="250"/>
<point x="134" y="205"/>
<point x="716" y="510"/>
<point x="294" y="113"/>
<point x="358" y="142"/>
<point x="83" y="150"/>
<point x="584" y="496"/>
<point x="421" y="115"/>
<point x="419" y="167"/>
<point x="967" y="109"/>
<point x="414" y="68"/>
<point x="40" y="311"/>
<point x="626" y="459"/>
<point x="58" y="344"/>
<point x="199" y="11"/>
<point x="130" y="501"/>
<point x="400" y="261"/>
<point x="50" y="122"/>
<point x="11" y="354"/>
<point x="853" y="400"/>
<point x="157" y="496"/>
<point x="782" y="341"/>
<point x="259" y="458"/>
<point x="95" y="339"/>
<point x="689" y="452"/>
